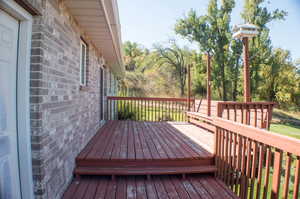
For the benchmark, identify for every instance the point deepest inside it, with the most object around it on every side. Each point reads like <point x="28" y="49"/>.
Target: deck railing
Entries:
<point x="148" y="109"/>
<point x="257" y="114"/>
<point x="256" y="163"/>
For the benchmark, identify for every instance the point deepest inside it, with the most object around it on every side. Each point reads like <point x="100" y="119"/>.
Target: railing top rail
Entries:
<point x="199" y="115"/>
<point x="246" y="103"/>
<point x="281" y="142"/>
<point x="149" y="99"/>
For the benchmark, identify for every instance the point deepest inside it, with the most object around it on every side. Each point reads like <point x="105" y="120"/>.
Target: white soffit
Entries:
<point x="100" y="21"/>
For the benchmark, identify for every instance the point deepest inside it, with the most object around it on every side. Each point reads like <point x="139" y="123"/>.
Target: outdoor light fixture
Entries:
<point x="245" y="30"/>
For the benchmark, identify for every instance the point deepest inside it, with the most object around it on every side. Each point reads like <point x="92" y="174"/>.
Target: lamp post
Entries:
<point x="244" y="32"/>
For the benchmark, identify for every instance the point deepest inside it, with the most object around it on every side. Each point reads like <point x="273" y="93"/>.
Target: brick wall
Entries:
<point x="63" y="118"/>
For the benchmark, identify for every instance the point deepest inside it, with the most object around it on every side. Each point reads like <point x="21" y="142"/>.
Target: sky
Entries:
<point x="148" y="22"/>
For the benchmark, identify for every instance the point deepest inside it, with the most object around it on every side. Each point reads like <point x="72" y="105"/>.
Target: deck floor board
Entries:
<point x="130" y="140"/>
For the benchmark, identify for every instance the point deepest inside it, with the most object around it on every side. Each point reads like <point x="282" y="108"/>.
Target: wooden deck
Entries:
<point x="147" y="148"/>
<point x="164" y="187"/>
<point x="128" y="159"/>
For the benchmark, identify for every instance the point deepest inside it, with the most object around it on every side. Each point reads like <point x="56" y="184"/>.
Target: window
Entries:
<point x="83" y="63"/>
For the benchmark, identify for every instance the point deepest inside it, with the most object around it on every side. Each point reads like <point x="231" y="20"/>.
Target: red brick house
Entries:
<point x="63" y="57"/>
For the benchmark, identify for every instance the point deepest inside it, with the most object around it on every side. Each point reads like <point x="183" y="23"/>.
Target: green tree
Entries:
<point x="297" y="63"/>
<point x="260" y="46"/>
<point x="279" y="78"/>
<point x="136" y="60"/>
<point x="213" y="34"/>
<point x="176" y="58"/>
<point x="234" y="66"/>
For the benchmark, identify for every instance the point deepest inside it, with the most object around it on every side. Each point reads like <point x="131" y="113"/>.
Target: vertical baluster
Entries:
<point x="235" y="113"/>
<point x="262" y="152"/>
<point x="253" y="171"/>
<point x="136" y="110"/>
<point x="255" y="115"/>
<point x="144" y="110"/>
<point x="262" y="116"/>
<point x="174" y="111"/>
<point x="229" y="170"/>
<point x="139" y="110"/>
<point x="169" y="114"/>
<point x="287" y="176"/>
<point x="181" y="111"/>
<point x="151" y="110"/>
<point x="154" y="111"/>
<point x="216" y="147"/>
<point x="239" y="162"/>
<point x="160" y="110"/>
<point x="242" y="114"/>
<point x="248" y="166"/>
<point x="267" y="172"/>
<point x="276" y="174"/>
<point x="157" y="110"/>
<point x="222" y="154"/>
<point x="131" y="105"/>
<point x="249" y="114"/>
<point x="234" y="161"/>
<point x="108" y="109"/>
<point x="243" y="167"/>
<point x="219" y="149"/>
<point x="122" y="107"/>
<point x="148" y="111"/>
<point x="228" y="112"/>
<point x="225" y="170"/>
<point x="297" y="179"/>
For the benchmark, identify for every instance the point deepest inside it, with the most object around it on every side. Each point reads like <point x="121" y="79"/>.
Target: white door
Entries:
<point x="9" y="166"/>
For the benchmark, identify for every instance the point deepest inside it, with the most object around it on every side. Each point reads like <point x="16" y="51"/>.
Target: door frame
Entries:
<point x="23" y="95"/>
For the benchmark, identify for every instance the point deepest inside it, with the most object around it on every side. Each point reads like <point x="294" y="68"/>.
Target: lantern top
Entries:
<point x="245" y="30"/>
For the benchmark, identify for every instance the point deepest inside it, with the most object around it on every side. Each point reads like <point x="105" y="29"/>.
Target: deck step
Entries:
<point x="144" y="170"/>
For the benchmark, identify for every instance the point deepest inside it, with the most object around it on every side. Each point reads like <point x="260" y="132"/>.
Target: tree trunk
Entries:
<point x="235" y="81"/>
<point x="181" y="90"/>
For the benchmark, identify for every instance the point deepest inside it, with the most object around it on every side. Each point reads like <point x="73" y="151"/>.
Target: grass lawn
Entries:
<point x="286" y="129"/>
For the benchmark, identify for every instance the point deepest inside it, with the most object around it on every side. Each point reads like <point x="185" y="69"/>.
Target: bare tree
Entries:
<point x="177" y="58"/>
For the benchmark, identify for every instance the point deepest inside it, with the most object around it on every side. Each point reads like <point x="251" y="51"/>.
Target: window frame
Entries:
<point x="83" y="77"/>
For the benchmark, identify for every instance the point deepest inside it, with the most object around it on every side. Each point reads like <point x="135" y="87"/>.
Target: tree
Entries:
<point x="135" y="58"/>
<point x="236" y="49"/>
<point x="279" y="78"/>
<point x="298" y="66"/>
<point x="260" y="46"/>
<point x="177" y="58"/>
<point x="212" y="32"/>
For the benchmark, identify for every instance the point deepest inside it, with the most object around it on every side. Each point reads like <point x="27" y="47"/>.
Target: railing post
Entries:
<point x="219" y="109"/>
<point x="189" y="87"/>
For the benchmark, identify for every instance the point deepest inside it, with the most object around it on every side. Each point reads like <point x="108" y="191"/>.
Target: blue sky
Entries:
<point x="152" y="21"/>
